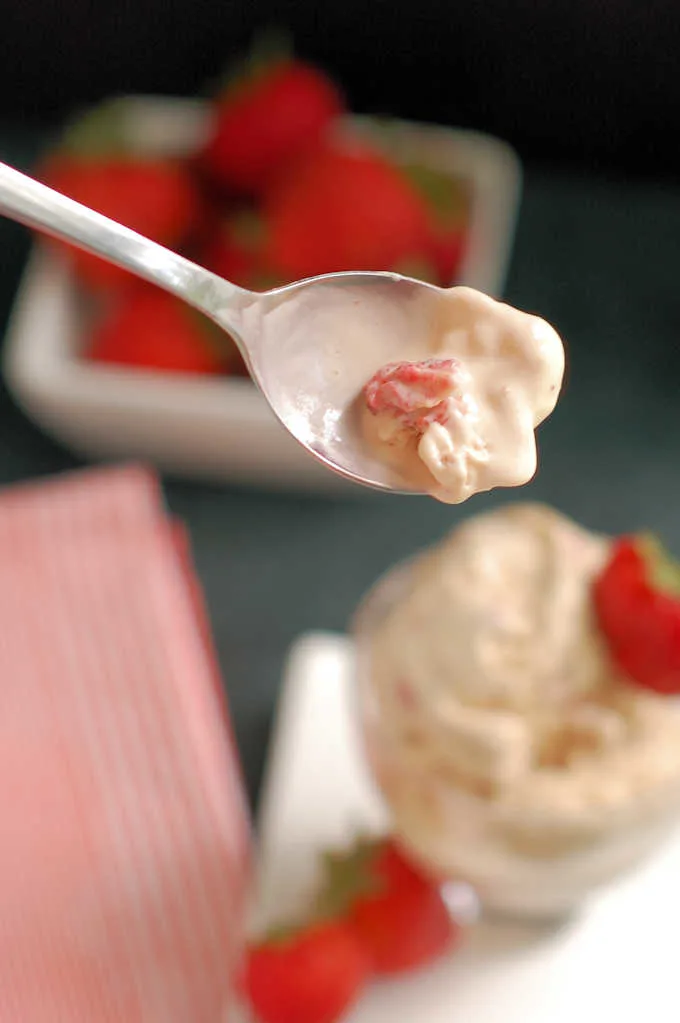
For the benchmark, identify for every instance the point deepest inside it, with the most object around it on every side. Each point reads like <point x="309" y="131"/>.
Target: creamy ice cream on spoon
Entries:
<point x="462" y="420"/>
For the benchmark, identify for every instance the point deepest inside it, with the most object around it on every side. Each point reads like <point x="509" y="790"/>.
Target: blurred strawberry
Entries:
<point x="396" y="911"/>
<point x="267" y="119"/>
<point x="637" y="602"/>
<point x="155" y="197"/>
<point x="236" y="250"/>
<point x="344" y="207"/>
<point x="312" y="975"/>
<point x="150" y="329"/>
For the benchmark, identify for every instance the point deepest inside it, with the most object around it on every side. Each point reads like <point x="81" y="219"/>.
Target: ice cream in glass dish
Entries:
<point x="515" y="685"/>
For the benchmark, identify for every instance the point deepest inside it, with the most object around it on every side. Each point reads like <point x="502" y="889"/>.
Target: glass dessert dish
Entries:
<point x="511" y="754"/>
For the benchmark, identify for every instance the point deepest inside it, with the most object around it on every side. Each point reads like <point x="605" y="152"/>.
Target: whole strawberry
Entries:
<point x="149" y="329"/>
<point x="157" y="198"/>
<point x="397" y="912"/>
<point x="637" y="602"/>
<point x="310" y="976"/>
<point x="344" y="207"/>
<point x="267" y="120"/>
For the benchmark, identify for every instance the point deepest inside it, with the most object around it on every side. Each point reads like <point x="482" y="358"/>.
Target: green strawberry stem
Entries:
<point x="347" y="875"/>
<point x="663" y="571"/>
<point x="100" y="131"/>
<point x="449" y="200"/>
<point x="271" y="46"/>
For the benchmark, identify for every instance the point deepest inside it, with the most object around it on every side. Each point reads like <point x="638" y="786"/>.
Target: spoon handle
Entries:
<point x="26" y="200"/>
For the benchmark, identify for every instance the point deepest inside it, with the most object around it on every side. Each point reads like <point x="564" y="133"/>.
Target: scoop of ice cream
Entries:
<point x="510" y="751"/>
<point x="499" y="615"/>
<point x="491" y="668"/>
<point x="467" y="415"/>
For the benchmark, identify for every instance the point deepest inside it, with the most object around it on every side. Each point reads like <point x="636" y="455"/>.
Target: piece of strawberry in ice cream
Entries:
<point x="414" y="394"/>
<point x="426" y="408"/>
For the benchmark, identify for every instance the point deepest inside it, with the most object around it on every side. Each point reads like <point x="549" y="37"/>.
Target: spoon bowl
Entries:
<point x="309" y="346"/>
<point x="313" y="345"/>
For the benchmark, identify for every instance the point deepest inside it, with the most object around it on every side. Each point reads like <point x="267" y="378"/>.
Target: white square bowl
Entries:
<point x="194" y="427"/>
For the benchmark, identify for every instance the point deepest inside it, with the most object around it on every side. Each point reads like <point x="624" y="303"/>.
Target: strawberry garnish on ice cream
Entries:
<point x="637" y="600"/>
<point x="311" y="974"/>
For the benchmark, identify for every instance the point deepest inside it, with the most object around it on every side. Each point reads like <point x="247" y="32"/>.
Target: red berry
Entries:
<point x="265" y="122"/>
<point x="344" y="208"/>
<point x="637" y="602"/>
<point x="150" y="329"/>
<point x="416" y="393"/>
<point x="313" y="976"/>
<point x="396" y="911"/>
<point x="155" y="198"/>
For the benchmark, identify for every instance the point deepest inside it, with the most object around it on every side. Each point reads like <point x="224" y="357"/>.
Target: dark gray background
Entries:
<point x="590" y="80"/>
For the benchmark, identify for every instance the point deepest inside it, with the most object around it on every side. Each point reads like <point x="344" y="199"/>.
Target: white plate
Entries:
<point x="616" y="962"/>
<point x="197" y="427"/>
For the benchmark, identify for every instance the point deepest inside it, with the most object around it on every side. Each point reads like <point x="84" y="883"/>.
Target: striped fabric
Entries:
<point x="123" y="831"/>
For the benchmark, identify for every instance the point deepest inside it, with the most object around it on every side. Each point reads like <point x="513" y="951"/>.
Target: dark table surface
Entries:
<point x="598" y="258"/>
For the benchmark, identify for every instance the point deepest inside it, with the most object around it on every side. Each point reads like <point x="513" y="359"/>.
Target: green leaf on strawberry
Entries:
<point x="98" y="131"/>
<point x="396" y="910"/>
<point x="447" y="197"/>
<point x="662" y="570"/>
<point x="270" y="47"/>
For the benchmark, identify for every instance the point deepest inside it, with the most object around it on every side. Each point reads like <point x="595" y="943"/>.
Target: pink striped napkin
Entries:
<point x="123" y="832"/>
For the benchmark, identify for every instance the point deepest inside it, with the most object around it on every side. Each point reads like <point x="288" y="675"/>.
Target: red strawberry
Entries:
<point x="154" y="197"/>
<point x="264" y="122"/>
<point x="150" y="329"/>
<point x="637" y="601"/>
<point x="312" y="976"/>
<point x="396" y="911"/>
<point x="345" y="207"/>
<point x="415" y="393"/>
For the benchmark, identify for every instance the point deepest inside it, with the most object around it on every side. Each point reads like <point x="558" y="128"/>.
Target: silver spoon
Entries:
<point x="310" y="346"/>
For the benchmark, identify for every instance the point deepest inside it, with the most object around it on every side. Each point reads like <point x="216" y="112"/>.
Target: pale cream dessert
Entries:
<point x="462" y="420"/>
<point x="510" y="752"/>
